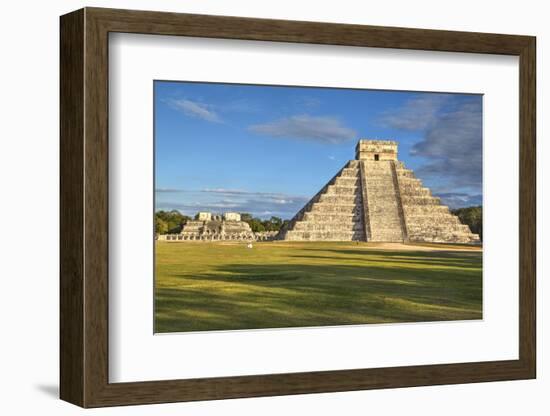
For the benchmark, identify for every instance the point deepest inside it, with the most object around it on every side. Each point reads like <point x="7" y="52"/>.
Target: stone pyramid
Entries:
<point x="375" y="198"/>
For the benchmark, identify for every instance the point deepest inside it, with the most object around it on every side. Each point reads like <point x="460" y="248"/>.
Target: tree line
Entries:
<point x="258" y="225"/>
<point x="172" y="222"/>
<point x="473" y="217"/>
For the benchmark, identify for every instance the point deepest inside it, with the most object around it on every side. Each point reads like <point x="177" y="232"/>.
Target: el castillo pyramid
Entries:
<point x="375" y="198"/>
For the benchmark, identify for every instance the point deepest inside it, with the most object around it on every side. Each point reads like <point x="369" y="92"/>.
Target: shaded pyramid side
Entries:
<point x="426" y="219"/>
<point x="335" y="213"/>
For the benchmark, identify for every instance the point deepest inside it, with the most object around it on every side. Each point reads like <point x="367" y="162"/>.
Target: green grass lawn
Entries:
<point x="221" y="286"/>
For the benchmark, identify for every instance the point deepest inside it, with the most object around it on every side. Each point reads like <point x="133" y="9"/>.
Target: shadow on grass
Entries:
<point x="422" y="260"/>
<point x="370" y="287"/>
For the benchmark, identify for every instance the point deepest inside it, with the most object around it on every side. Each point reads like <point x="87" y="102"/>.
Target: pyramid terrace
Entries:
<point x="376" y="198"/>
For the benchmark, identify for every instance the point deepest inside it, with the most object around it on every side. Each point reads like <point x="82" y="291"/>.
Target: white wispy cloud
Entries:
<point x="196" y="109"/>
<point x="237" y="192"/>
<point x="325" y="129"/>
<point x="416" y="114"/>
<point x="221" y="199"/>
<point x="460" y="199"/>
<point x="307" y="102"/>
<point x="168" y="190"/>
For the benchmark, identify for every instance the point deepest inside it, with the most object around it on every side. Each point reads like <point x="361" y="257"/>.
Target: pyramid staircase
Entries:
<point x="383" y="205"/>
<point x="376" y="200"/>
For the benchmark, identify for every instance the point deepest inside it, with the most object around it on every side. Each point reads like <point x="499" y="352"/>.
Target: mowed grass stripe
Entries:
<point x="224" y="286"/>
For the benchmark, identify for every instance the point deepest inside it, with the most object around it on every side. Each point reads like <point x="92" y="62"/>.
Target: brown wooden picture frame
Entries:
<point x="84" y="213"/>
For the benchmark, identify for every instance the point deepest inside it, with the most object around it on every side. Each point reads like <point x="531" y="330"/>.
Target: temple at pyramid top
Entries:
<point x="376" y="150"/>
<point x="376" y="198"/>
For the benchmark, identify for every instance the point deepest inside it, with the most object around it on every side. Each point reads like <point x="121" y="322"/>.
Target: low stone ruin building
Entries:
<point x="375" y="198"/>
<point x="209" y="227"/>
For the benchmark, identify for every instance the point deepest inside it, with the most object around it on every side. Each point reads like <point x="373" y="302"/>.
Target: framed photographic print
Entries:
<point x="255" y="207"/>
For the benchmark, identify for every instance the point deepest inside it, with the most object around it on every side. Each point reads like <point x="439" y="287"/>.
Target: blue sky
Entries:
<point x="267" y="150"/>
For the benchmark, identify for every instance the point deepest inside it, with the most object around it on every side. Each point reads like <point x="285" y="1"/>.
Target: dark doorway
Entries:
<point x="376" y="157"/>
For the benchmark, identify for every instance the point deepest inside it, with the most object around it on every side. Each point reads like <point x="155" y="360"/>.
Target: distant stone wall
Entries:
<point x="248" y="236"/>
<point x="265" y="235"/>
<point x="206" y="237"/>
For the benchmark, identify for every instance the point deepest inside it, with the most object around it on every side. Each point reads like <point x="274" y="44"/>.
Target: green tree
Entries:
<point x="171" y="221"/>
<point x="473" y="217"/>
<point x="258" y="225"/>
<point x="273" y="224"/>
<point x="160" y="226"/>
<point x="246" y="217"/>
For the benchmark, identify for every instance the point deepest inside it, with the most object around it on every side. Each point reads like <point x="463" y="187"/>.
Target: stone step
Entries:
<point x="381" y="193"/>
<point x="408" y="200"/>
<point x="342" y="222"/>
<point x="385" y="225"/>
<point x="381" y="173"/>
<point x="386" y="237"/>
<point x="384" y="211"/>
<point x="381" y="199"/>
<point x="383" y="170"/>
<point x="415" y="192"/>
<point x="409" y="181"/>
<point x="378" y="169"/>
<point x="405" y="174"/>
<point x="327" y="217"/>
<point x="341" y="199"/>
<point x="427" y="220"/>
<point x="326" y="207"/>
<point x="325" y="236"/>
<point x="380" y="187"/>
<point x="383" y="215"/>
<point x="383" y="206"/>
<point x="437" y="228"/>
<point x="347" y="172"/>
<point x="373" y="178"/>
<point x="395" y="226"/>
<point x="440" y="233"/>
<point x="347" y="181"/>
<point x="316" y="226"/>
<point x="425" y="210"/>
<point x="393" y="230"/>
<point x="460" y="239"/>
<point x="343" y="190"/>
